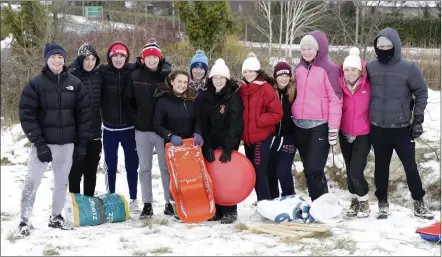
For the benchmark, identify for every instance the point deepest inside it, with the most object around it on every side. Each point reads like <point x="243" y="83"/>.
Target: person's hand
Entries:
<point x="176" y="140"/>
<point x="333" y="136"/>
<point x="225" y="156"/>
<point x="209" y="155"/>
<point x="416" y="129"/>
<point x="79" y="153"/>
<point x="197" y="140"/>
<point x="44" y="153"/>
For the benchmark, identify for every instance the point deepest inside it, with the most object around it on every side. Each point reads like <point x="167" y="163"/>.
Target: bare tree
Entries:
<point x="300" y="16"/>
<point x="265" y="9"/>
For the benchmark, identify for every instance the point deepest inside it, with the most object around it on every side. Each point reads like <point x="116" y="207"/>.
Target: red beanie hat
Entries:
<point x="151" y="48"/>
<point x="118" y="49"/>
<point x="282" y="68"/>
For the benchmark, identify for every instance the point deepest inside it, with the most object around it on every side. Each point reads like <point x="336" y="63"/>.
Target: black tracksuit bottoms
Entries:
<point x="384" y="140"/>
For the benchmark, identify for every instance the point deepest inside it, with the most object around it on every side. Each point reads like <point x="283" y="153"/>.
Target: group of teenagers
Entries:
<point x="70" y="112"/>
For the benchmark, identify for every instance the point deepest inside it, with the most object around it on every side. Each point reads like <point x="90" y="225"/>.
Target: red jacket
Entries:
<point x="262" y="111"/>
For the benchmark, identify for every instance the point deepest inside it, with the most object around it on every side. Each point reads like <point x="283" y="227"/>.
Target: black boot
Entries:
<point x="215" y="217"/>
<point x="147" y="211"/>
<point x="384" y="209"/>
<point x="421" y="211"/>
<point x="229" y="218"/>
<point x="59" y="222"/>
<point x="168" y="209"/>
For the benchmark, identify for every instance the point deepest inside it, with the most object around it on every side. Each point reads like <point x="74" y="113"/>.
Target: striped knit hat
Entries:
<point x="151" y="48"/>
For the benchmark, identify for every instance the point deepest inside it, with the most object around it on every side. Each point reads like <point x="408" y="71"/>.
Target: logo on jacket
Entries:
<point x="363" y="92"/>
<point x="70" y="88"/>
<point x="221" y="108"/>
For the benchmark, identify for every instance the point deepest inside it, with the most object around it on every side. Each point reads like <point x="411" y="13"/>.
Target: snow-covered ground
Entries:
<point x="166" y="236"/>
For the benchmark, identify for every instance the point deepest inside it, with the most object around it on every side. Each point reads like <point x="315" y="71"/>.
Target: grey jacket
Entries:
<point x="392" y="87"/>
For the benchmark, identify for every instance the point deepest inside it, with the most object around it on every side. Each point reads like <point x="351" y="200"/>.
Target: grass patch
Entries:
<point x="322" y="235"/>
<point x="346" y="244"/>
<point x="50" y="252"/>
<point x="5" y="161"/>
<point x="241" y="227"/>
<point x="300" y="181"/>
<point x="162" y="222"/>
<point x="123" y="239"/>
<point x="6" y="216"/>
<point x="433" y="189"/>
<point x="339" y="176"/>
<point x="28" y="144"/>
<point x="4" y="31"/>
<point x="149" y="232"/>
<point x="139" y="253"/>
<point x="161" y="250"/>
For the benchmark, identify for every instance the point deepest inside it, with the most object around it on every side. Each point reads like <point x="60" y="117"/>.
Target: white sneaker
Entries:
<point x="133" y="206"/>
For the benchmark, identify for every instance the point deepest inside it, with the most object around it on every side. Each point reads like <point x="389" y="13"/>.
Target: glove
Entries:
<point x="44" y="153"/>
<point x="416" y="128"/>
<point x="332" y="136"/>
<point x="197" y="140"/>
<point x="209" y="155"/>
<point x="79" y="153"/>
<point x="176" y="140"/>
<point x="225" y="156"/>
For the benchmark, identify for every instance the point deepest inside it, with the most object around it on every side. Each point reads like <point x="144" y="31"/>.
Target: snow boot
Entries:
<point x="59" y="222"/>
<point x="229" y="218"/>
<point x="421" y="211"/>
<point x="354" y="208"/>
<point x="364" y="209"/>
<point x="168" y="209"/>
<point x="147" y="211"/>
<point x="384" y="210"/>
<point x="24" y="229"/>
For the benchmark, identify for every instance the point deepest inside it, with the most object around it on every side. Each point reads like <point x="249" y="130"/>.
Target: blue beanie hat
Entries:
<point x="53" y="48"/>
<point x="199" y="60"/>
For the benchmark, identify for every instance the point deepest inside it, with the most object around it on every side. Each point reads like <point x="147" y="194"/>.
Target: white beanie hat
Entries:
<point x="251" y="63"/>
<point x="220" y="69"/>
<point x="309" y="40"/>
<point x="353" y="60"/>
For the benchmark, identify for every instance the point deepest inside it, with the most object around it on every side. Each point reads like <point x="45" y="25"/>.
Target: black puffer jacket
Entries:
<point x="54" y="109"/>
<point x="175" y="115"/>
<point x="286" y="125"/>
<point x="222" y="117"/>
<point x="139" y="94"/>
<point x="92" y="82"/>
<point x="113" y="109"/>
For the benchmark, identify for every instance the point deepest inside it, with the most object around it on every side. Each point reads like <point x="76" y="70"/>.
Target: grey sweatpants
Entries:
<point x="146" y="141"/>
<point x="61" y="166"/>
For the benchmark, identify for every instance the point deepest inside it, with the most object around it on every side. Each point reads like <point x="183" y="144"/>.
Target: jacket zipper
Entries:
<point x="280" y="122"/>
<point x="385" y="97"/>
<point x="185" y="107"/>
<point x="59" y="105"/>
<point x="119" y="94"/>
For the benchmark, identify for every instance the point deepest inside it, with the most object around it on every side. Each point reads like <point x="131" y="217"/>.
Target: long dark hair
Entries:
<point x="189" y="94"/>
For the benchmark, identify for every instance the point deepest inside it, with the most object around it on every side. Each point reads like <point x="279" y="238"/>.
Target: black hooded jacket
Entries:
<point x="139" y="94"/>
<point x="222" y="117"/>
<point x="92" y="82"/>
<point x="113" y="109"/>
<point x="176" y="115"/>
<point x="54" y="109"/>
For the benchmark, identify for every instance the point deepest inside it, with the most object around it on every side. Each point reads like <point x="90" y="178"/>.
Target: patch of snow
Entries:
<point x="6" y="43"/>
<point x="431" y="123"/>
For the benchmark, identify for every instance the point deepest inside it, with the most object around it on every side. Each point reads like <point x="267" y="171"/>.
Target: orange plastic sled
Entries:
<point x="190" y="184"/>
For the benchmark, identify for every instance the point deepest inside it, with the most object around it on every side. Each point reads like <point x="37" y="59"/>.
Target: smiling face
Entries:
<point x="118" y="60"/>
<point x="219" y="82"/>
<point x="308" y="53"/>
<point x="250" y="75"/>
<point x="151" y="62"/>
<point x="198" y="74"/>
<point x="179" y="84"/>
<point x="283" y="80"/>
<point x="89" y="62"/>
<point x="352" y="74"/>
<point x="55" y="63"/>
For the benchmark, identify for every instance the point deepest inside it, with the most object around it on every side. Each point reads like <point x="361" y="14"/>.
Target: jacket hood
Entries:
<point x="109" y="60"/>
<point x="393" y="35"/>
<point x="77" y="63"/>
<point x="322" y="40"/>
